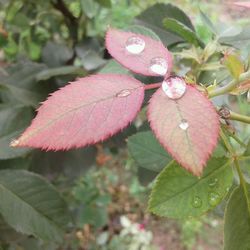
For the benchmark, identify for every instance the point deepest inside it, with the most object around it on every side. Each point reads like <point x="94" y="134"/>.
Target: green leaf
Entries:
<point x="13" y="120"/>
<point x="113" y="66"/>
<point x="247" y="151"/>
<point x="22" y="74"/>
<point x="138" y="29"/>
<point x="211" y="66"/>
<point x="153" y="16"/>
<point x="89" y="8"/>
<point x="18" y="95"/>
<point x="234" y="65"/>
<point x="237" y="222"/>
<point x="64" y="70"/>
<point x="147" y="151"/>
<point x="105" y="3"/>
<point x="208" y="22"/>
<point x="93" y="215"/>
<point x="229" y="31"/>
<point x="89" y="53"/>
<point x="56" y="55"/>
<point x="182" y="30"/>
<point x="237" y="39"/>
<point x="8" y="152"/>
<point x="178" y="194"/>
<point x="31" y="205"/>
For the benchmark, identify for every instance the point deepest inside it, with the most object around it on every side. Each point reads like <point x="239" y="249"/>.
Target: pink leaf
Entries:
<point x="84" y="112"/>
<point x="242" y="4"/>
<point x="188" y="127"/>
<point x="141" y="63"/>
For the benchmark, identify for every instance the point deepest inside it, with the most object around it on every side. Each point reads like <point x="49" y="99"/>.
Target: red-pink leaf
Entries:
<point x="84" y="112"/>
<point x="242" y="4"/>
<point x="188" y="127"/>
<point x="116" y="42"/>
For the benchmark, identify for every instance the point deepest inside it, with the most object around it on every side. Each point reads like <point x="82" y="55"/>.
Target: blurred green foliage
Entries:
<point x="44" y="44"/>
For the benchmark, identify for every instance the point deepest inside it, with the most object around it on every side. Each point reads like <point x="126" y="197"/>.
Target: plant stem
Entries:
<point x="152" y="86"/>
<point x="237" y="166"/>
<point x="229" y="87"/>
<point x="239" y="117"/>
<point x="70" y="20"/>
<point x="232" y="135"/>
<point x="242" y="182"/>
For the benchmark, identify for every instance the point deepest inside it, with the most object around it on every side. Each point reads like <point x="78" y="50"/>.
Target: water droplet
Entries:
<point x="196" y="202"/>
<point x="14" y="143"/>
<point x="159" y="66"/>
<point x="184" y="124"/>
<point x="213" y="199"/>
<point x="213" y="183"/>
<point x="123" y="93"/>
<point x="174" y="87"/>
<point x="135" y="45"/>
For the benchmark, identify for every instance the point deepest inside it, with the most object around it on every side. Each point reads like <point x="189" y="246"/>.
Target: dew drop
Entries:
<point x="196" y="202"/>
<point x="14" y="143"/>
<point x="123" y="93"/>
<point x="174" y="87"/>
<point x="184" y="124"/>
<point x="159" y="66"/>
<point x="135" y="45"/>
<point x="213" y="199"/>
<point x="213" y="183"/>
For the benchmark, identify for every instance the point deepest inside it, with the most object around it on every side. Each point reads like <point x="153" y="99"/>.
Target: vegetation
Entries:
<point x="95" y="197"/>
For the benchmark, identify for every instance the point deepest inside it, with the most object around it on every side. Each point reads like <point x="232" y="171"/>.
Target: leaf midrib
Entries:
<point x="33" y="208"/>
<point x="27" y="136"/>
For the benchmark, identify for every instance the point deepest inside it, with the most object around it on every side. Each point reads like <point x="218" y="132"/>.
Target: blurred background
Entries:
<point x="44" y="44"/>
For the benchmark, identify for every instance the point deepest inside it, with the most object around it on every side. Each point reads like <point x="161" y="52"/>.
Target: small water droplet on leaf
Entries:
<point x="135" y="45"/>
<point x="213" y="199"/>
<point x="196" y="202"/>
<point x="213" y="183"/>
<point x="159" y="66"/>
<point x="184" y="124"/>
<point x="124" y="93"/>
<point x="174" y="87"/>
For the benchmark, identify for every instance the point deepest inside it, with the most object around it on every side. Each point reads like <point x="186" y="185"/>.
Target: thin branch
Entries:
<point x="237" y="166"/>
<point x="228" y="114"/>
<point x="229" y="87"/>
<point x="239" y="117"/>
<point x="152" y="86"/>
<point x="70" y="20"/>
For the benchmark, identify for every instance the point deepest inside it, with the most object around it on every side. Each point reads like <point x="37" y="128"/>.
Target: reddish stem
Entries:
<point x="152" y="86"/>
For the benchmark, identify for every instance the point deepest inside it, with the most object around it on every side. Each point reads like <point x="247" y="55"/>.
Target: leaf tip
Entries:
<point x="14" y="143"/>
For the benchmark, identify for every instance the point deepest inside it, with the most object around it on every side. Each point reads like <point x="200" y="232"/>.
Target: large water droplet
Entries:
<point x="123" y="93"/>
<point x="14" y="143"/>
<point x="184" y="124"/>
<point x="159" y="66"/>
<point x="135" y="45"/>
<point x="213" y="183"/>
<point x="196" y="202"/>
<point x="213" y="199"/>
<point x="174" y="87"/>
